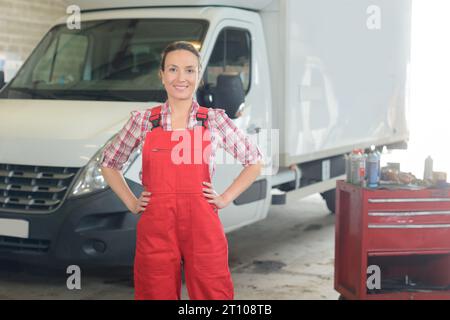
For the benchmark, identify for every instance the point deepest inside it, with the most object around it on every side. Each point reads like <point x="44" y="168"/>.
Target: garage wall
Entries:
<point x="22" y="25"/>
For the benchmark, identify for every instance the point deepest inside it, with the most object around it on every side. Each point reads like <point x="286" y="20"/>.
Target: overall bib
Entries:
<point x="179" y="226"/>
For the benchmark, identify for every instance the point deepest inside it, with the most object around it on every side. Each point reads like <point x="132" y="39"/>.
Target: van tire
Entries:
<point x="330" y="199"/>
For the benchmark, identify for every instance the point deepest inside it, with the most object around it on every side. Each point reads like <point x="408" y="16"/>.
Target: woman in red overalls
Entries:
<point x="179" y="225"/>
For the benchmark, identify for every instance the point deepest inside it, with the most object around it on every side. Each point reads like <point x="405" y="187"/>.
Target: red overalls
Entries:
<point x="179" y="225"/>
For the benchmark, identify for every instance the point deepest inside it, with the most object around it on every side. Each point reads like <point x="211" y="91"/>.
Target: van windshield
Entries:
<point x="113" y="60"/>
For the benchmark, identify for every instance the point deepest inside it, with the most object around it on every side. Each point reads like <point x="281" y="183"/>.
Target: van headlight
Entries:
<point x="91" y="178"/>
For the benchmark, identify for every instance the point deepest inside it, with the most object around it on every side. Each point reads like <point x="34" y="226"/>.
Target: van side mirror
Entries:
<point x="2" y="78"/>
<point x="230" y="94"/>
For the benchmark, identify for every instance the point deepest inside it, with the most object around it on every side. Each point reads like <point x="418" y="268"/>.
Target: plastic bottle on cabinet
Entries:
<point x="348" y="175"/>
<point x="363" y="179"/>
<point x="373" y="168"/>
<point x="357" y="167"/>
<point x="428" y="171"/>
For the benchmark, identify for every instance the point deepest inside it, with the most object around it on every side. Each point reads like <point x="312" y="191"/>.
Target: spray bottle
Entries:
<point x="373" y="168"/>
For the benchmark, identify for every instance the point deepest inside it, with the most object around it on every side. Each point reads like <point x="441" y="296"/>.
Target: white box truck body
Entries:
<point x="325" y="76"/>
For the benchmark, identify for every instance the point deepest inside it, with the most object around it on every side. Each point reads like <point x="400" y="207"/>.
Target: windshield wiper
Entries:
<point x="33" y="93"/>
<point x="98" y="95"/>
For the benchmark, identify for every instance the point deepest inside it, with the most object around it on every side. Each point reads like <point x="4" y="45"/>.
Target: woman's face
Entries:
<point x="181" y="74"/>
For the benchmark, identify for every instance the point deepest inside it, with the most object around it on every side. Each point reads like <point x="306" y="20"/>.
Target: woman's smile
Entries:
<point x="180" y="87"/>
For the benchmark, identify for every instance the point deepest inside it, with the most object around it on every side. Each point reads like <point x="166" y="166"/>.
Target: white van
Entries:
<point x="309" y="79"/>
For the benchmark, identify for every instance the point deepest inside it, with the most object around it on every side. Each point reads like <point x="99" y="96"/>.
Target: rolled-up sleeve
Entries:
<point x="234" y="141"/>
<point x="119" y="149"/>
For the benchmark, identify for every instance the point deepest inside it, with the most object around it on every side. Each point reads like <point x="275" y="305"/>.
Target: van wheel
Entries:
<point x="330" y="199"/>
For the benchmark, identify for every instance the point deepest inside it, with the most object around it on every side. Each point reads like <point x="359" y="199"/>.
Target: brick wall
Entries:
<point x="23" y="23"/>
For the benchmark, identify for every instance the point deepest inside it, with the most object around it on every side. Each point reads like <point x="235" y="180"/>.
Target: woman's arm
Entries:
<point x="118" y="184"/>
<point x="238" y="144"/>
<point x="114" y="157"/>
<point x="247" y="176"/>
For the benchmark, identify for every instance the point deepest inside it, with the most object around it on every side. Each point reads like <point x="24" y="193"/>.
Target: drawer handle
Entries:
<point x="407" y="213"/>
<point x="409" y="200"/>
<point x="408" y="226"/>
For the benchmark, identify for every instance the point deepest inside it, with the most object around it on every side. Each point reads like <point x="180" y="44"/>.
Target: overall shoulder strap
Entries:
<point x="155" y="117"/>
<point x="202" y="115"/>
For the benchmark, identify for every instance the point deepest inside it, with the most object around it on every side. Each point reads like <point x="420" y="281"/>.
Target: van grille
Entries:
<point x="12" y="244"/>
<point x="35" y="189"/>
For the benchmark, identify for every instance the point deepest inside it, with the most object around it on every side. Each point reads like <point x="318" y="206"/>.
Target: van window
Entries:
<point x="115" y="60"/>
<point x="64" y="61"/>
<point x="231" y="54"/>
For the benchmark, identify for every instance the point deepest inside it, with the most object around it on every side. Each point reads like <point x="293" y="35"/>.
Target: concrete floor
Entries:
<point x="289" y="255"/>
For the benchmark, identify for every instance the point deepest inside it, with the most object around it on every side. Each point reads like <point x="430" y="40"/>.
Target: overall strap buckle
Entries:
<point x="155" y="117"/>
<point x="202" y="115"/>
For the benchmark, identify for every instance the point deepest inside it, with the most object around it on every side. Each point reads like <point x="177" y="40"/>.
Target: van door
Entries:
<point x="235" y="53"/>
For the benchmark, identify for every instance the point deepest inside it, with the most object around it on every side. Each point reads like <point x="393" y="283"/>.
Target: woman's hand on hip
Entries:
<point x="140" y="203"/>
<point x="213" y="197"/>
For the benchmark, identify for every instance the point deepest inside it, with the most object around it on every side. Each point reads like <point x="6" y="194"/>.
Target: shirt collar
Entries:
<point x="166" y="110"/>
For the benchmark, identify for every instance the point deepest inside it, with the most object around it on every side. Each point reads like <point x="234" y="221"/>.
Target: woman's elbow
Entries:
<point x="107" y="170"/>
<point x="258" y="166"/>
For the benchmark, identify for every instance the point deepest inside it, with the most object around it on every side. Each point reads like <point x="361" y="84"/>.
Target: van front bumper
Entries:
<point x="94" y="230"/>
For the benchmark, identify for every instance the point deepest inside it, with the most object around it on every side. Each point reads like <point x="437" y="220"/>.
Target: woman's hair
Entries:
<point x="179" y="45"/>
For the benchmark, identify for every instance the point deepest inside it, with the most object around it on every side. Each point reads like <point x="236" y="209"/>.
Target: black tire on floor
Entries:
<point x="330" y="199"/>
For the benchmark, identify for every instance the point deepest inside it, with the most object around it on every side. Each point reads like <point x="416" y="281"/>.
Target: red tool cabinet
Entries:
<point x="405" y="233"/>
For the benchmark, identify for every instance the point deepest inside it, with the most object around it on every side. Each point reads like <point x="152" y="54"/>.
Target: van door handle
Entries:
<point x="253" y="129"/>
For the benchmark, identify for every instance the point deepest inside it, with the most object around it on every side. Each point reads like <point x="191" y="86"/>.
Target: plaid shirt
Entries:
<point x="224" y="133"/>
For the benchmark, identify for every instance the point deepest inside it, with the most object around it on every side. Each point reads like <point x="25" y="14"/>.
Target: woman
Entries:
<point x="180" y="222"/>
